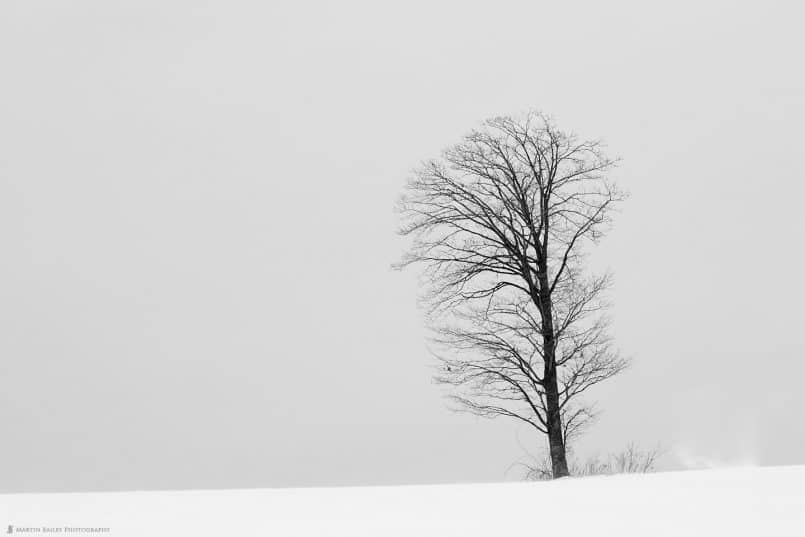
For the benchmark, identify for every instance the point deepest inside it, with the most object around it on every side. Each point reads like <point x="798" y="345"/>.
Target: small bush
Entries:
<point x="630" y="460"/>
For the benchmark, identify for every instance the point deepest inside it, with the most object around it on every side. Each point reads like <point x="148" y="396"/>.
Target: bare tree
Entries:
<point x="499" y="226"/>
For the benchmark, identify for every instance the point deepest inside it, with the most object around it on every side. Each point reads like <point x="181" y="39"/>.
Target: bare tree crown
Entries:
<point x="514" y="197"/>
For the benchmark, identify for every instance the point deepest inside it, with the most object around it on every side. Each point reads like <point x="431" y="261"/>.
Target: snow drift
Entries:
<point x="737" y="502"/>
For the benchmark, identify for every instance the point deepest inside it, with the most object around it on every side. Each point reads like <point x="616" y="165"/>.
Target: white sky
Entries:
<point x="196" y="214"/>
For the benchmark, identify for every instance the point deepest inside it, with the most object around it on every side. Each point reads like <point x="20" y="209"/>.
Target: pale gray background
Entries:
<point x="196" y="226"/>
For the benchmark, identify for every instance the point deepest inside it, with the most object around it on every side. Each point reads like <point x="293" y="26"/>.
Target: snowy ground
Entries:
<point x="757" y="502"/>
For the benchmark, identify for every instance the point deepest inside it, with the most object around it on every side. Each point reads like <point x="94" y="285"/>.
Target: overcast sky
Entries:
<point x="196" y="221"/>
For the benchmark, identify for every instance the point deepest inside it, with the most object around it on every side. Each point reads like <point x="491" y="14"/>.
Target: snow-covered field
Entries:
<point x="757" y="502"/>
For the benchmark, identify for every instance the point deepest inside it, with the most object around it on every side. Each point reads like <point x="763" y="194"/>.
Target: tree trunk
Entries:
<point x="556" y="442"/>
